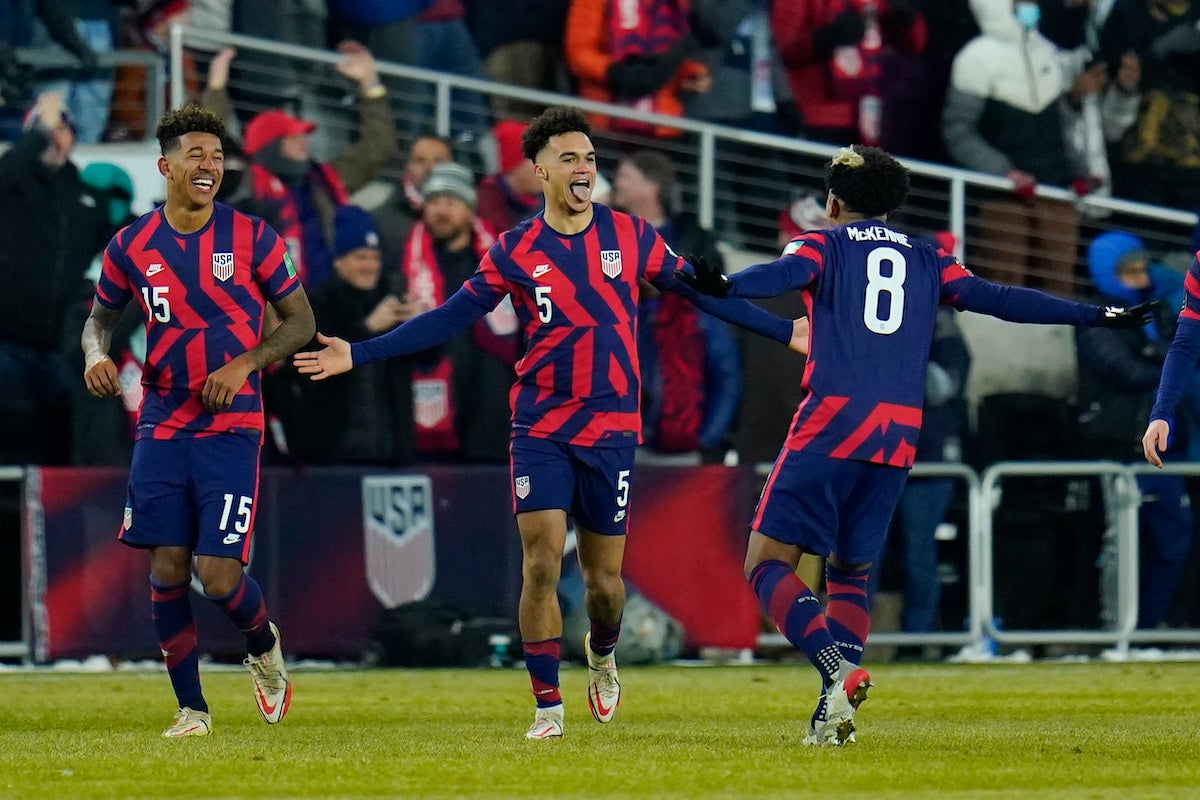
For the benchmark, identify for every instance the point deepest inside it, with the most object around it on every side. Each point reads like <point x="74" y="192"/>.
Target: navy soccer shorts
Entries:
<point x="200" y="493"/>
<point x="589" y="483"/>
<point x="829" y="505"/>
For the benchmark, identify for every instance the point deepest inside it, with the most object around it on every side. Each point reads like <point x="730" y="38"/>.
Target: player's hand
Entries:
<point x="100" y="376"/>
<point x="1131" y="317"/>
<point x="222" y="385"/>
<point x="321" y="364"/>
<point x="707" y="278"/>
<point x="1154" y="441"/>
<point x="799" y="342"/>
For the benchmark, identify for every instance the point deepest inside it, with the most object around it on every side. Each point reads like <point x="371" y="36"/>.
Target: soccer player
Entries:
<point x="203" y="275"/>
<point x="572" y="272"/>
<point x="872" y="295"/>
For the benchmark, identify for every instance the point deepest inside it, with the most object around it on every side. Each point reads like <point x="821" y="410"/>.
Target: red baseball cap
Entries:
<point x="272" y="125"/>
<point x="508" y="143"/>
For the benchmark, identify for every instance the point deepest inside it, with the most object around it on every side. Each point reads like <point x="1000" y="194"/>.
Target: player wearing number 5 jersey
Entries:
<point x="573" y="274"/>
<point x="203" y="276"/>
<point x="872" y="295"/>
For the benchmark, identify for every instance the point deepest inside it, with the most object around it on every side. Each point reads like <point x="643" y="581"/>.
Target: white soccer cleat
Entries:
<point x="272" y="689"/>
<point x="547" y="723"/>
<point x="604" y="690"/>
<point x="844" y="697"/>
<point x="189" y="722"/>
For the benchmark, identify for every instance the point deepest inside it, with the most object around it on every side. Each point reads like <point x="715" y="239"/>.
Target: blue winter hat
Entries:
<point x="353" y="228"/>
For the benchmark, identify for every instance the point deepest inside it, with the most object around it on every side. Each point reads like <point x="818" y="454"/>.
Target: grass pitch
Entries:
<point x="1044" y="730"/>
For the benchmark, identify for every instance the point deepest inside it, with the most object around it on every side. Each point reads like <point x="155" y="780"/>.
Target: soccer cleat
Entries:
<point x="604" y="690"/>
<point x="189" y="722"/>
<point x="547" y="723"/>
<point x="272" y="689"/>
<point x="844" y="697"/>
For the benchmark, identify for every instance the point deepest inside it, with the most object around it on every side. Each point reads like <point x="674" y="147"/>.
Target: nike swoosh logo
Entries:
<point x="231" y="538"/>
<point x="604" y="712"/>
<point x="540" y="270"/>
<point x="154" y="270"/>
<point x="262" y="702"/>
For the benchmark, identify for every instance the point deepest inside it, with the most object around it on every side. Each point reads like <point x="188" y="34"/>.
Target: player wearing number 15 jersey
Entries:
<point x="202" y="275"/>
<point x="573" y="274"/>
<point x="872" y="295"/>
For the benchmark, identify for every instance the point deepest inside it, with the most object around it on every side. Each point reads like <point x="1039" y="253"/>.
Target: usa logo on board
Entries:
<point x="610" y="262"/>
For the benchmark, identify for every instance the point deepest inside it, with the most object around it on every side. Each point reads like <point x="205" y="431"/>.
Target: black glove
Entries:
<point x="1131" y="317"/>
<point x="846" y="29"/>
<point x="709" y="279"/>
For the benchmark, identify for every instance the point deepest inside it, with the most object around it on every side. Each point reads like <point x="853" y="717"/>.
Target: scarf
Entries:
<point x="272" y="193"/>
<point x="680" y="346"/>
<point x="433" y="386"/>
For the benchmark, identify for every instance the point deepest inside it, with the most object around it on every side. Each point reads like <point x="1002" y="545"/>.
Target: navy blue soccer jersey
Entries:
<point x="872" y="295"/>
<point x="576" y="298"/>
<point x="204" y="296"/>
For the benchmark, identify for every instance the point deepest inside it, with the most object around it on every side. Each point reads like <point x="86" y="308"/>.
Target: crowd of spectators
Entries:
<point x="1098" y="96"/>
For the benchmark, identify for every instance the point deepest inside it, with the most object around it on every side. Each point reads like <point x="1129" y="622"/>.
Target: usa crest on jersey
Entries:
<point x="610" y="262"/>
<point x="222" y="265"/>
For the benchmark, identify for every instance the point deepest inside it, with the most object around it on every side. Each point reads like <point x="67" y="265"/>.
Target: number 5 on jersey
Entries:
<point x="541" y="296"/>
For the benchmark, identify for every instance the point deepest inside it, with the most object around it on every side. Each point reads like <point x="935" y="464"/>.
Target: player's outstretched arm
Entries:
<point x="461" y="310"/>
<point x="99" y="371"/>
<point x="1154" y="441"/>
<point x="334" y="359"/>
<point x="735" y="311"/>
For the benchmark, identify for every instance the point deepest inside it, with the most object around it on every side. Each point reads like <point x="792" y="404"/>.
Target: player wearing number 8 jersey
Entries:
<point x="203" y="275"/>
<point x="573" y="274"/>
<point x="872" y="295"/>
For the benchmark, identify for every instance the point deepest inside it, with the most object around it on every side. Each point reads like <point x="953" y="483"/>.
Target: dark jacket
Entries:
<point x="363" y="416"/>
<point x="50" y="229"/>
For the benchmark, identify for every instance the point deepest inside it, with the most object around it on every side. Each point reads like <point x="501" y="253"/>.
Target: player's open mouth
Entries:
<point x="204" y="184"/>
<point x="582" y="189"/>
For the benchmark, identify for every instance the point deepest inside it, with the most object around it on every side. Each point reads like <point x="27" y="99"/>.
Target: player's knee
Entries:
<point x="218" y="578"/>
<point x="541" y="571"/>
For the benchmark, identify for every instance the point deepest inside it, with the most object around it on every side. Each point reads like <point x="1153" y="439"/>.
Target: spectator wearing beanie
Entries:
<point x="460" y="400"/>
<point x="356" y="418"/>
<point x="513" y="194"/>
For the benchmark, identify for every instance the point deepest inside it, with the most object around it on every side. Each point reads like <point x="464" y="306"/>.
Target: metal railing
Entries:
<point x="42" y="59"/>
<point x="1120" y="537"/>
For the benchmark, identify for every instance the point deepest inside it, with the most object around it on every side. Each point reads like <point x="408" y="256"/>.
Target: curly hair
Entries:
<point x="867" y="179"/>
<point x="553" y="121"/>
<point x="192" y="118"/>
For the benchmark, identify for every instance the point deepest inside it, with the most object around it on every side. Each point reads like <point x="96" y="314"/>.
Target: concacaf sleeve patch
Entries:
<point x="792" y="247"/>
<point x="291" y="268"/>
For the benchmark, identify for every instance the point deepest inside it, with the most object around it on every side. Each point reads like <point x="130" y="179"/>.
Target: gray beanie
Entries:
<point x="452" y="179"/>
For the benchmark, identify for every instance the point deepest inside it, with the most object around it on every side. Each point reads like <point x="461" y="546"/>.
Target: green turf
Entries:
<point x="994" y="731"/>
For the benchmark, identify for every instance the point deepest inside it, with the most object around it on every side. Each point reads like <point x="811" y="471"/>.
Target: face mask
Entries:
<point x="1028" y="15"/>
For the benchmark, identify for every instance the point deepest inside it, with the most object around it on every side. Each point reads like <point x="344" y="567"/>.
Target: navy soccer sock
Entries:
<point x="541" y="659"/>
<point x="603" y="639"/>
<point x="171" y="609"/>
<point x="797" y="614"/>
<point x="848" y="612"/>
<point x="246" y="609"/>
